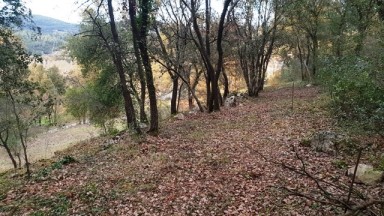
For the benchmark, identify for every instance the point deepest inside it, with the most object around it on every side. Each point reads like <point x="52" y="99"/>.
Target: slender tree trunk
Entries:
<point x="117" y="57"/>
<point x="145" y="10"/>
<point x="10" y="156"/>
<point x="315" y="54"/>
<point x="303" y="74"/>
<point x="4" y="142"/>
<point x="140" y="71"/>
<point x="20" y="134"/>
<point x="226" y="84"/>
<point x="179" y="96"/>
<point x="175" y="83"/>
<point x="220" y="60"/>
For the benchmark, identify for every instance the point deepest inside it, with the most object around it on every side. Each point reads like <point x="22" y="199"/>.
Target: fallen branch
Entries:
<point x="330" y="199"/>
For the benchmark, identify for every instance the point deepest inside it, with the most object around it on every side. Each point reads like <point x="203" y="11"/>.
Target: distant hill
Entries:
<point x="54" y="35"/>
<point x="50" y="25"/>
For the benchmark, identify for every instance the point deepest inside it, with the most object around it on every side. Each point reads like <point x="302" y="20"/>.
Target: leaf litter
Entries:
<point x="223" y="163"/>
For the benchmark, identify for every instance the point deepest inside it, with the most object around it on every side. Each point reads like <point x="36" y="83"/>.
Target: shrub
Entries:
<point x="356" y="94"/>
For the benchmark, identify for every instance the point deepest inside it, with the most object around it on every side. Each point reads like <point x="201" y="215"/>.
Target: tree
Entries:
<point x="174" y="51"/>
<point x="76" y="102"/>
<point x="256" y="39"/>
<point x="18" y="92"/>
<point x="103" y="38"/>
<point x="202" y="40"/>
<point x="139" y="35"/>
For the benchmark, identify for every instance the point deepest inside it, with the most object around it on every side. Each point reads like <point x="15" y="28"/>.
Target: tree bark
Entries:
<point x="20" y="133"/>
<point x="145" y="10"/>
<point x="139" y="63"/>
<point x="4" y="142"/>
<point x="175" y="83"/>
<point x="117" y="58"/>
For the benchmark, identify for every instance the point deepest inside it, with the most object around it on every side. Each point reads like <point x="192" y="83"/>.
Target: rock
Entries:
<point x="366" y="174"/>
<point x="326" y="141"/>
<point x="309" y="85"/>
<point x="230" y="101"/>
<point x="179" y="116"/>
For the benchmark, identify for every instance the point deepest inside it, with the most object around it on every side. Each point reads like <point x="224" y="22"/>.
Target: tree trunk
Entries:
<point x="140" y="71"/>
<point x="4" y="142"/>
<point x="20" y="134"/>
<point x="315" y="54"/>
<point x="220" y="60"/>
<point x="175" y="83"/>
<point x="226" y="84"/>
<point x="145" y="10"/>
<point x="117" y="58"/>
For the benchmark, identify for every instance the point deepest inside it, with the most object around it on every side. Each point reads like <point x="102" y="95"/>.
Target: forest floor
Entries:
<point x="231" y="162"/>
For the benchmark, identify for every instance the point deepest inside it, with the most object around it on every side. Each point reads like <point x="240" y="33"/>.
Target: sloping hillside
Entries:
<point x="234" y="162"/>
<point x="50" y="25"/>
<point x="54" y="34"/>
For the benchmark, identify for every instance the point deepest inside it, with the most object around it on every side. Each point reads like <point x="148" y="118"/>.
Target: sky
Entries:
<point x="65" y="10"/>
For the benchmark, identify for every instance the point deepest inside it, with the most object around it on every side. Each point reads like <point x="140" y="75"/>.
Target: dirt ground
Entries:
<point x="46" y="144"/>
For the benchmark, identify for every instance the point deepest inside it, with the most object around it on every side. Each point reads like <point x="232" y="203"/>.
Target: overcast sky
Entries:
<point x="65" y="10"/>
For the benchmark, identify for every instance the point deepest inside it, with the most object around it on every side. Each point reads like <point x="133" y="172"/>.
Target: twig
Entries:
<point x="353" y="178"/>
<point x="293" y="91"/>
<point x="364" y="206"/>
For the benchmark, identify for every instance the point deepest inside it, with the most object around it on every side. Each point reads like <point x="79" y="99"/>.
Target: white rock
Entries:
<point x="230" y="101"/>
<point x="180" y="116"/>
<point x="142" y="125"/>
<point x="366" y="174"/>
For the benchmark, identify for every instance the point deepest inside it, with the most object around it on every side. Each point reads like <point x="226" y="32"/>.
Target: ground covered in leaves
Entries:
<point x="232" y="162"/>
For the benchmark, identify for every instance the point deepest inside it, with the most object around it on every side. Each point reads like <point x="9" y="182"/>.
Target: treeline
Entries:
<point x="197" y="46"/>
<point x="43" y="44"/>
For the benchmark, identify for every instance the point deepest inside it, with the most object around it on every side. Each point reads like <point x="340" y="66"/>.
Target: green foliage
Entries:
<point x="379" y="161"/>
<point x="13" y="13"/>
<point x="76" y="102"/>
<point x="101" y="99"/>
<point x="354" y="91"/>
<point x="57" y="165"/>
<point x="55" y="205"/>
<point x="45" y="43"/>
<point x="340" y="164"/>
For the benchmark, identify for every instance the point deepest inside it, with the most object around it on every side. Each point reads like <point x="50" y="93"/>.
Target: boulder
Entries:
<point x="179" y="116"/>
<point x="326" y="141"/>
<point x="142" y="125"/>
<point x="230" y="101"/>
<point x="366" y="174"/>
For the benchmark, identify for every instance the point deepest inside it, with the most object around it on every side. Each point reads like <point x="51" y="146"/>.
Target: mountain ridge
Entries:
<point x="51" y="25"/>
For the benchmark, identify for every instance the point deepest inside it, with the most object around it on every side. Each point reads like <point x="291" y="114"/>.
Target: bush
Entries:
<point x="356" y="94"/>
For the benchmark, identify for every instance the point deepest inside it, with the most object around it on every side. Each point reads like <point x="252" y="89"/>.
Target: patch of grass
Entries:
<point x="131" y="188"/>
<point x="7" y="183"/>
<point x="340" y="164"/>
<point x="348" y="146"/>
<point x="57" y="165"/>
<point x="196" y="135"/>
<point x="57" y="205"/>
<point x="216" y="161"/>
<point x="305" y="143"/>
<point x="89" y="193"/>
<point x="377" y="161"/>
<point x="381" y="163"/>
